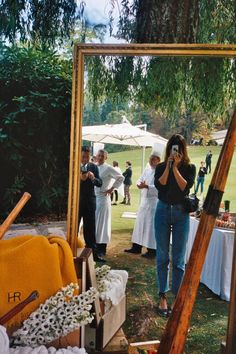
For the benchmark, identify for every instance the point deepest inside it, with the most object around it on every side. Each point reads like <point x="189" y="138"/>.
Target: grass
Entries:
<point x="197" y="154"/>
<point x="209" y="319"/>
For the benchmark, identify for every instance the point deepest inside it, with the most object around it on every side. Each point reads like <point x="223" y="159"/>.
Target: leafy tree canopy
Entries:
<point x="173" y="86"/>
<point x="36" y="20"/>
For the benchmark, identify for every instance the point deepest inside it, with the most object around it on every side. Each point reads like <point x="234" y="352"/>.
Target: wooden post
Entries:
<point x="75" y="148"/>
<point x="13" y="214"/>
<point x="231" y="331"/>
<point x="174" y="337"/>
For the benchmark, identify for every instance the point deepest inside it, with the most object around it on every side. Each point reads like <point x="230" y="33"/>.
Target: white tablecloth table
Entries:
<point x="216" y="273"/>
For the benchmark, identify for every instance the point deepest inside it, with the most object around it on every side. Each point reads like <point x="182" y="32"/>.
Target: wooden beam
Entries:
<point x="161" y="49"/>
<point x="13" y="214"/>
<point x="75" y="150"/>
<point x="174" y="337"/>
<point x="81" y="51"/>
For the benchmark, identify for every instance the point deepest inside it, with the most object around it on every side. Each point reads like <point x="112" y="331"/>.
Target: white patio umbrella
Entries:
<point x="123" y="134"/>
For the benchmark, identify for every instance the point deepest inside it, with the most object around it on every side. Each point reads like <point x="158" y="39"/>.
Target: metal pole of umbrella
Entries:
<point x="144" y="126"/>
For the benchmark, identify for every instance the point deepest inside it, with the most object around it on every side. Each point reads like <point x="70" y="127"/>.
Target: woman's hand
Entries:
<point x="177" y="158"/>
<point x="178" y="177"/>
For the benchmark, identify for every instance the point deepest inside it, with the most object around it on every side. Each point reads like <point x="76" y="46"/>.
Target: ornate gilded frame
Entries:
<point x="82" y="50"/>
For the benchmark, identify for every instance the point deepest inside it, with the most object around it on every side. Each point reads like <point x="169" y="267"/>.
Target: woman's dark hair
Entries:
<point x="179" y="140"/>
<point x="115" y="163"/>
<point x="129" y="163"/>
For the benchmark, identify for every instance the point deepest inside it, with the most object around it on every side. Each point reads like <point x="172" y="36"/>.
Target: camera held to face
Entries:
<point x="84" y="169"/>
<point x="175" y="149"/>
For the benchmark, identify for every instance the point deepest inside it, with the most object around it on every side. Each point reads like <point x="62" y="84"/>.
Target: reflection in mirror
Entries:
<point x="189" y="95"/>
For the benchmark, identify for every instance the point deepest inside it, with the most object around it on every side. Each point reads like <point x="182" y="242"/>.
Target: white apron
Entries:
<point x="103" y="219"/>
<point x="144" y="232"/>
<point x="110" y="178"/>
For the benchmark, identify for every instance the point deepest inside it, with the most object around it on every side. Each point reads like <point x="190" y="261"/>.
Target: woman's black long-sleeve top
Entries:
<point x="171" y="192"/>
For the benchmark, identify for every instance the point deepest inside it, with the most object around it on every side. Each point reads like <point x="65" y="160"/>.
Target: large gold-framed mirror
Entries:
<point x="80" y="52"/>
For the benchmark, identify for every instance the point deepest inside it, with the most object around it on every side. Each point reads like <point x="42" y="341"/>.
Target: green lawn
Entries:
<point x="209" y="319"/>
<point x="196" y="153"/>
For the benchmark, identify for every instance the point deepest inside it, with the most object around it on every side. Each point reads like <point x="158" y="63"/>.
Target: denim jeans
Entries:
<point x="170" y="218"/>
<point x="200" y="182"/>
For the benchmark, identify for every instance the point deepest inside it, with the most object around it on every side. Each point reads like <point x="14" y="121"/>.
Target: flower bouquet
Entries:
<point x="58" y="316"/>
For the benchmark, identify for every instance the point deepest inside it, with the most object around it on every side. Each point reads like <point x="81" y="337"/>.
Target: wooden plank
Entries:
<point x="80" y="267"/>
<point x="231" y="331"/>
<point x="174" y="337"/>
<point x="85" y="256"/>
<point x="93" y="282"/>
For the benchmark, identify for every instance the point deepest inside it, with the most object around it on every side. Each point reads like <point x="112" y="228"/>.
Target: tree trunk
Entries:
<point x="167" y="21"/>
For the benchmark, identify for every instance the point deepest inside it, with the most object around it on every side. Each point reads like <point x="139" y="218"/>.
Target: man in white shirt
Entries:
<point x="111" y="179"/>
<point x="144" y="233"/>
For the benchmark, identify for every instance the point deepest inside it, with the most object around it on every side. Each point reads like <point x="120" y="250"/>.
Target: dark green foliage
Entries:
<point x="40" y="21"/>
<point x="35" y="94"/>
<point x="217" y="21"/>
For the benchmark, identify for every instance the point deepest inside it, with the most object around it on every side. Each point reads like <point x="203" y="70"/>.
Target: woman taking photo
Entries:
<point x="173" y="179"/>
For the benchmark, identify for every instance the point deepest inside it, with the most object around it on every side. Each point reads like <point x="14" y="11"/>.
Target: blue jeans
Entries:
<point x="200" y="182"/>
<point x="170" y="218"/>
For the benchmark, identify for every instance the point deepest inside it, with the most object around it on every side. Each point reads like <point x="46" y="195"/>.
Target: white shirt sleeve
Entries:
<point x="141" y="178"/>
<point x="117" y="176"/>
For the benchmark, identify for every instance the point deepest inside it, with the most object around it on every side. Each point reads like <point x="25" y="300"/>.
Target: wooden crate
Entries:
<point x="105" y="326"/>
<point x="111" y="322"/>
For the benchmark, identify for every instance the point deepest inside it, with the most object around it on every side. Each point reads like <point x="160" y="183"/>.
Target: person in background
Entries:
<point x="144" y="232"/>
<point x="89" y="178"/>
<point x="201" y="177"/>
<point x="111" y="179"/>
<point x="127" y="183"/>
<point x="173" y="179"/>
<point x="120" y="190"/>
<point x="208" y="161"/>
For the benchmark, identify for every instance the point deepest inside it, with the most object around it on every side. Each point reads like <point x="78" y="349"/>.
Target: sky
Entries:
<point x="97" y="12"/>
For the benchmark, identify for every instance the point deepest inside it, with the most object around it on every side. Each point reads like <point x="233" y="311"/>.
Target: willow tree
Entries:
<point x="177" y="87"/>
<point x="36" y="20"/>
